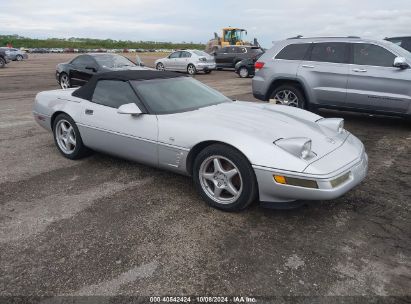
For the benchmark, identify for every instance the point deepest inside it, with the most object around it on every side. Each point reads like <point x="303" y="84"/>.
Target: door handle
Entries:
<point x="89" y="112"/>
<point x="359" y="70"/>
<point x="308" y="66"/>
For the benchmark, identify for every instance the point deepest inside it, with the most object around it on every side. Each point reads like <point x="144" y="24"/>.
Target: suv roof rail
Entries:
<point x="329" y="37"/>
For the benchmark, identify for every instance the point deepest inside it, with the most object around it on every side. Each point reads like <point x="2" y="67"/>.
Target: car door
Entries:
<point x="183" y="61"/>
<point x="221" y="57"/>
<point x="374" y="83"/>
<point x="324" y="73"/>
<point x="128" y="136"/>
<point x="171" y="62"/>
<point x="82" y="68"/>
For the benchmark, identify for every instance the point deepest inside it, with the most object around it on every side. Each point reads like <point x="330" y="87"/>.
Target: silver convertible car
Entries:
<point x="235" y="151"/>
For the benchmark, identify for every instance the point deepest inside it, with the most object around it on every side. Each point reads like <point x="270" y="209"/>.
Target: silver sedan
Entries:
<point x="15" y="54"/>
<point x="190" y="61"/>
<point x="236" y="152"/>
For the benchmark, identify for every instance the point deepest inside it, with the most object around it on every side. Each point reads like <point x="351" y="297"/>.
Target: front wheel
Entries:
<point x="191" y="69"/>
<point x="65" y="81"/>
<point x="224" y="178"/>
<point x="19" y="58"/>
<point x="67" y="138"/>
<point x="160" y="66"/>
<point x="288" y="95"/>
<point x="2" y="62"/>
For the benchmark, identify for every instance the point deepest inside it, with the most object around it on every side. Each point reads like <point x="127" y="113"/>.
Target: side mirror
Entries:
<point x="129" y="108"/>
<point x="401" y="63"/>
<point x="91" y="68"/>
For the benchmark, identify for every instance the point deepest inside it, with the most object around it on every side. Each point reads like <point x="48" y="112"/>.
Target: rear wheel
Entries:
<point x="191" y="69"/>
<point x="243" y="72"/>
<point x="207" y="71"/>
<point x="160" y="66"/>
<point x="224" y="178"/>
<point x="288" y="95"/>
<point x="2" y="62"/>
<point x="67" y="138"/>
<point x="65" y="81"/>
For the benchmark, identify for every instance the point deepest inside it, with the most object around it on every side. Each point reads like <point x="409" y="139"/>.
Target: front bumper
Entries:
<point x="329" y="187"/>
<point x="205" y="66"/>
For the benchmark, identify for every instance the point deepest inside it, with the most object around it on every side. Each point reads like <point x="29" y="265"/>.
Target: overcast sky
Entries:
<point x="197" y="20"/>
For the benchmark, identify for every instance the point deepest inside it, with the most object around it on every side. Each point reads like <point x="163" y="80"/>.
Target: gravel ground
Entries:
<point x="105" y="226"/>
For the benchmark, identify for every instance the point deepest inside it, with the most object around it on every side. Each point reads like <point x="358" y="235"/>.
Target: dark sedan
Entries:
<point x="79" y="70"/>
<point x="404" y="42"/>
<point x="228" y="57"/>
<point x="245" y="68"/>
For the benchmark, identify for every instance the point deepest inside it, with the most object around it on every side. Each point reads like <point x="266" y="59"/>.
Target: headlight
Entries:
<point x="298" y="146"/>
<point x="335" y="124"/>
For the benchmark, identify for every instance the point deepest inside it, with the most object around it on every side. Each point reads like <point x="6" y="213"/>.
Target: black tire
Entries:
<point x="243" y="72"/>
<point x="2" y="62"/>
<point x="207" y="71"/>
<point x="19" y="58"/>
<point x="61" y="80"/>
<point x="191" y="69"/>
<point x="80" y="150"/>
<point x="160" y="66"/>
<point x="219" y="69"/>
<point x="246" y="176"/>
<point x="295" y="90"/>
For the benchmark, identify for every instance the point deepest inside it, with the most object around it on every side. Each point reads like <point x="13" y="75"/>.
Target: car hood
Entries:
<point x="239" y="122"/>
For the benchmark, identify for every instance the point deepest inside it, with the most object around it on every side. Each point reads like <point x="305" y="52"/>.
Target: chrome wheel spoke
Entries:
<point x="217" y="192"/>
<point x="217" y="165"/>
<point x="231" y="173"/>
<point x="208" y="176"/>
<point x="231" y="189"/>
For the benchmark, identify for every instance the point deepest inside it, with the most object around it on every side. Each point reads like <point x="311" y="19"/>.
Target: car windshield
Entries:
<point x="113" y="61"/>
<point x="166" y="96"/>
<point x="201" y="53"/>
<point x="399" y="50"/>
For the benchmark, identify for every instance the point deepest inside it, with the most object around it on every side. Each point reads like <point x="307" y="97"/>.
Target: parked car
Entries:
<point x="15" y="54"/>
<point x="343" y="73"/>
<point x="245" y="68"/>
<point x="228" y="57"/>
<point x="4" y="59"/>
<point x="190" y="61"/>
<point x="404" y="42"/>
<point x="235" y="151"/>
<point x="79" y="70"/>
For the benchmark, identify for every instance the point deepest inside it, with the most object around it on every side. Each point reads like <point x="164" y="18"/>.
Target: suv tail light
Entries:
<point x="258" y="65"/>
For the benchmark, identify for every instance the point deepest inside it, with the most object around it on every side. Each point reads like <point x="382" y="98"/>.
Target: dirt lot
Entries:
<point x="107" y="226"/>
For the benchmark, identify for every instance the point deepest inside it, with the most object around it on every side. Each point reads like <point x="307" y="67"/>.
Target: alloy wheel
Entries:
<point x="220" y="179"/>
<point x="243" y="72"/>
<point x="285" y="97"/>
<point x="19" y="58"/>
<point x="64" y="81"/>
<point x="65" y="136"/>
<point x="191" y="69"/>
<point x="160" y="66"/>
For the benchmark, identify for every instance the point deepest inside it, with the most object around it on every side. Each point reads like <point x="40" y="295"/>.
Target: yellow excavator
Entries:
<point x="231" y="36"/>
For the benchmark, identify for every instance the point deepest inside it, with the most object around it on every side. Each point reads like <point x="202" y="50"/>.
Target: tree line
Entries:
<point x="87" y="43"/>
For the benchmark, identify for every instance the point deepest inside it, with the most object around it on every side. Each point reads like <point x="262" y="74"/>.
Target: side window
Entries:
<point x="113" y="93"/>
<point x="234" y="50"/>
<point x="83" y="60"/>
<point x="293" y="51"/>
<point x="185" y="55"/>
<point x="223" y="50"/>
<point x="175" y="55"/>
<point x="371" y="54"/>
<point x="335" y="52"/>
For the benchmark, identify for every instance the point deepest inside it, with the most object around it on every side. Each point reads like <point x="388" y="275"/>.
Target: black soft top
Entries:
<point x="86" y="91"/>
